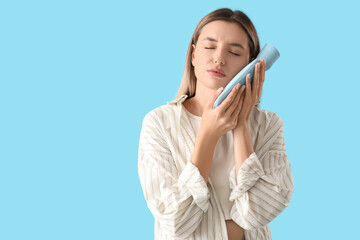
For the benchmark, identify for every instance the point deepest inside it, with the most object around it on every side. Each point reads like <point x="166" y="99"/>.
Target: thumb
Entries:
<point x="215" y="96"/>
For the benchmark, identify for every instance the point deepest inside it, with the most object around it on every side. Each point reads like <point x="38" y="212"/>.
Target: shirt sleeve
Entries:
<point x="177" y="199"/>
<point x="264" y="186"/>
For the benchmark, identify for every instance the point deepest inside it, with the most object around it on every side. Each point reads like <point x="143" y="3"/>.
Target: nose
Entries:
<point x="219" y="57"/>
<point x="220" y="62"/>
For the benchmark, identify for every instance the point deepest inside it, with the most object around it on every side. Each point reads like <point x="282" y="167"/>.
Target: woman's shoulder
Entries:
<point x="265" y="117"/>
<point x="265" y="113"/>
<point x="161" y="114"/>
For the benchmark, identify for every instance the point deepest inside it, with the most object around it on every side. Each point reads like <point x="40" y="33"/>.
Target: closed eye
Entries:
<point x="229" y="51"/>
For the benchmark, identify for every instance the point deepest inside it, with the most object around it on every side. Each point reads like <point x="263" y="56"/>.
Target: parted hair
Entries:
<point x="188" y="82"/>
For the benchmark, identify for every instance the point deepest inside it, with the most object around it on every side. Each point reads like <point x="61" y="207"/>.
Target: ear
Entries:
<point x="192" y="54"/>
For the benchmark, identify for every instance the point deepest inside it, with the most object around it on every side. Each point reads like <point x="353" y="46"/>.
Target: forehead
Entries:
<point x="224" y="31"/>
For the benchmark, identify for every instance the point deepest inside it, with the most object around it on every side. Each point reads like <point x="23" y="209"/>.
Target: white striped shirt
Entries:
<point x="221" y="165"/>
<point x="183" y="205"/>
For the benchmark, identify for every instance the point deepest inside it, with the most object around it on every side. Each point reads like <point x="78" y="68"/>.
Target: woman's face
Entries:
<point x="221" y="45"/>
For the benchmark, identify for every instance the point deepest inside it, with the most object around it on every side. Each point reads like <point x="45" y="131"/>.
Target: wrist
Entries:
<point x="241" y="128"/>
<point x="208" y="136"/>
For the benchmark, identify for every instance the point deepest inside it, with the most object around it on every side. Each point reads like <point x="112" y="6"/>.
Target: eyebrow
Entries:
<point x="232" y="44"/>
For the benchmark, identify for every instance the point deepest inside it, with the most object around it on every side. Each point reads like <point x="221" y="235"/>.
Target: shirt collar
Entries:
<point x="181" y="99"/>
<point x="179" y="102"/>
<point x="183" y="121"/>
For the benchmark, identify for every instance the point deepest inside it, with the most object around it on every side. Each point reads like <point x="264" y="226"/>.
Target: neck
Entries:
<point x="196" y="104"/>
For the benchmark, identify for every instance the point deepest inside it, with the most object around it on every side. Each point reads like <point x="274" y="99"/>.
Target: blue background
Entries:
<point x="78" y="77"/>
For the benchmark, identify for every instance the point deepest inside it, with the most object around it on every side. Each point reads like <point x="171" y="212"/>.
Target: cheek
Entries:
<point x="237" y="67"/>
<point x="200" y="63"/>
<point x="243" y="63"/>
<point x="240" y="66"/>
<point x="199" y="58"/>
<point x="197" y="68"/>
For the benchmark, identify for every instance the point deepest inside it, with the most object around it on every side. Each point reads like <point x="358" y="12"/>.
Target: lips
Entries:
<point x="217" y="72"/>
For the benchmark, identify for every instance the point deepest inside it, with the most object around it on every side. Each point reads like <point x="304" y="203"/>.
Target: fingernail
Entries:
<point x="220" y="89"/>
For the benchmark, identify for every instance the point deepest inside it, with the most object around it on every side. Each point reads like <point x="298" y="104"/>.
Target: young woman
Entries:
<point x="218" y="173"/>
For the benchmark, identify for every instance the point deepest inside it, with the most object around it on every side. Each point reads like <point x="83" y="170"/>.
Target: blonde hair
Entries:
<point x="188" y="82"/>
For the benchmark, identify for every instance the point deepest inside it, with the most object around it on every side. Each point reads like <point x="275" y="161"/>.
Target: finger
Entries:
<point x="256" y="81"/>
<point x="263" y="70"/>
<point x="229" y="99"/>
<point x="248" y="85"/>
<point x="215" y="96"/>
<point x="262" y="75"/>
<point x="241" y="104"/>
<point x="236" y="112"/>
<point x="242" y="99"/>
<point x="234" y="103"/>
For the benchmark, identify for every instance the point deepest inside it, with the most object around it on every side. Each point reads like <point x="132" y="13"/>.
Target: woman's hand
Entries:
<point x="251" y="95"/>
<point x="217" y="122"/>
